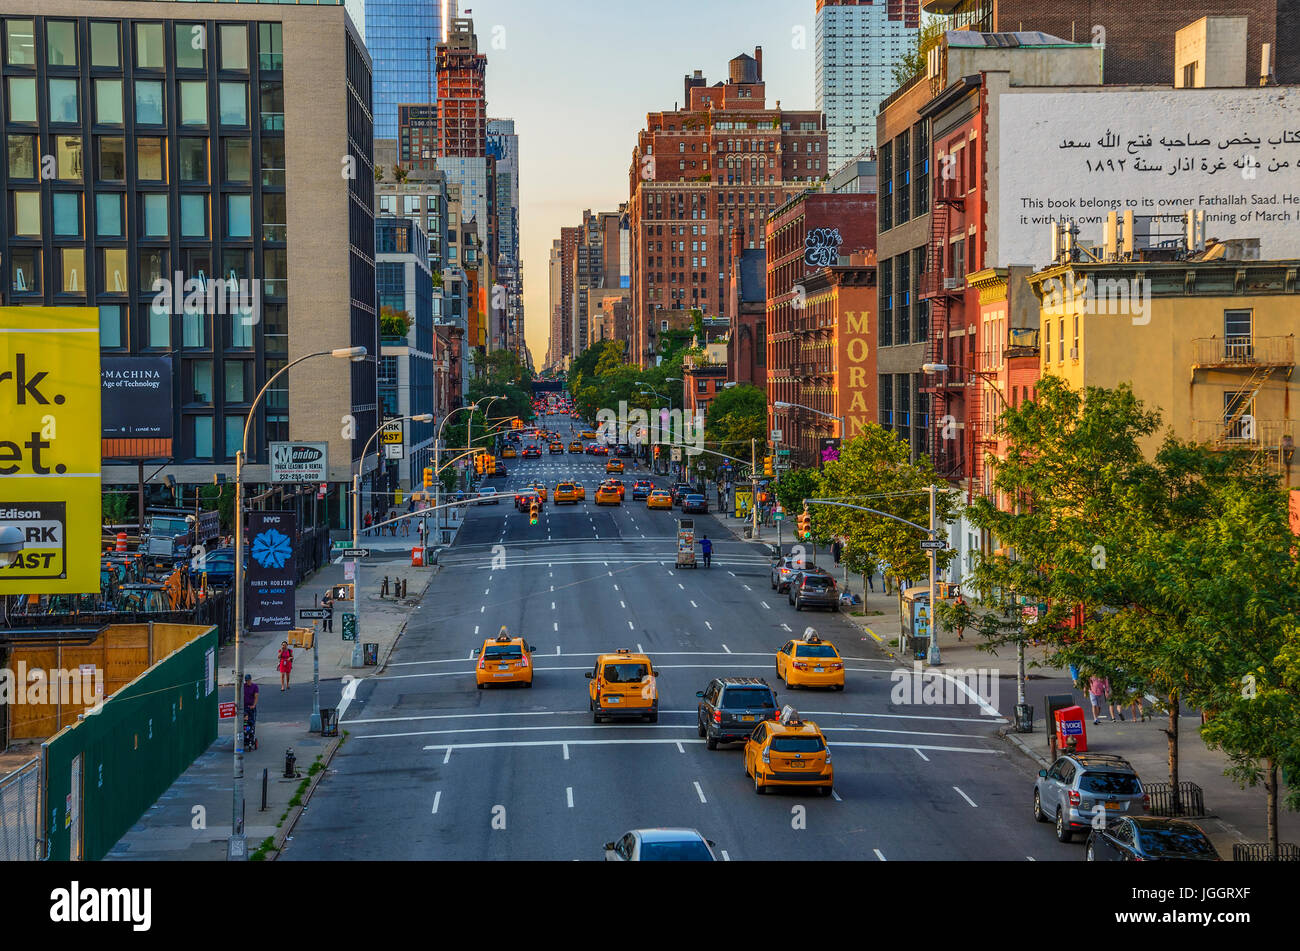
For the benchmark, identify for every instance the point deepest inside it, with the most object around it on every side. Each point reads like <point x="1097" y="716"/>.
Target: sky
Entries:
<point x="579" y="76"/>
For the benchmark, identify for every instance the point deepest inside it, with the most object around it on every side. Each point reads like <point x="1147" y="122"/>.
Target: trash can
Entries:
<point x="1069" y="724"/>
<point x="1024" y="718"/>
<point x="371" y="654"/>
<point x="329" y="721"/>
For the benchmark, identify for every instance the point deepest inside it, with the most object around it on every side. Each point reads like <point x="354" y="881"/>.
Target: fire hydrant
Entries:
<point x="383" y="593"/>
<point x="289" y="762"/>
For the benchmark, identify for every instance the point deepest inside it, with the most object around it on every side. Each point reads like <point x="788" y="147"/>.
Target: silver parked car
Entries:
<point x="1083" y="790"/>
<point x="812" y="588"/>
<point x="661" y="845"/>
<point x="783" y="569"/>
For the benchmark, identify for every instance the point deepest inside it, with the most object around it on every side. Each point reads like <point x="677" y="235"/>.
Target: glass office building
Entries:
<point x="404" y="63"/>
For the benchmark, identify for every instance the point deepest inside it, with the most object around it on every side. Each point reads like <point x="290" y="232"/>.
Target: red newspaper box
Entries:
<point x="1070" y="726"/>
<point x="417" y="557"/>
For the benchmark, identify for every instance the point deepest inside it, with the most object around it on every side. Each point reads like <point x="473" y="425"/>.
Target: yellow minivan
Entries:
<point x="623" y="685"/>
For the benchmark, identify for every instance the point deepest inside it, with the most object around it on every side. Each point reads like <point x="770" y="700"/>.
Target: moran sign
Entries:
<point x="857" y="363"/>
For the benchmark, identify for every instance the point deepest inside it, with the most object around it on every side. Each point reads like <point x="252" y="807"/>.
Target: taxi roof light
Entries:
<point x="790" y="716"/>
<point x="810" y="636"/>
<point x="624" y="650"/>
<point x="504" y="636"/>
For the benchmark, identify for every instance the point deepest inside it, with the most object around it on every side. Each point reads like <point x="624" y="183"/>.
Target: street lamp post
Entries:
<point x="469" y="428"/>
<point x="237" y="847"/>
<point x="437" y="465"/>
<point x="781" y="404"/>
<point x="357" y="659"/>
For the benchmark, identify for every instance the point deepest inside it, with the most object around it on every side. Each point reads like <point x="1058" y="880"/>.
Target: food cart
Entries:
<point x="686" y="543"/>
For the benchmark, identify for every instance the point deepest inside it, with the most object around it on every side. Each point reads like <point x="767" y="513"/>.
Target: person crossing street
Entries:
<point x="706" y="548"/>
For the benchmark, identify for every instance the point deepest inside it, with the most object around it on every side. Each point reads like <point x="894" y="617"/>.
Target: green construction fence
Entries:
<point x="103" y="772"/>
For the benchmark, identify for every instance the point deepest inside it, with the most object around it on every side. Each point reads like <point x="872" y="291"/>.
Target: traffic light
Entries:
<point x="428" y="477"/>
<point x="532" y="514"/>
<point x="492" y="465"/>
<point x="656" y="452"/>
<point x="805" y="524"/>
<point x="767" y="465"/>
<point x="478" y="463"/>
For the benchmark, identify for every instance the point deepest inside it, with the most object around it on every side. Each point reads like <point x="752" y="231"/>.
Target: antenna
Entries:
<point x="1127" y="242"/>
<point x="1110" y="244"/>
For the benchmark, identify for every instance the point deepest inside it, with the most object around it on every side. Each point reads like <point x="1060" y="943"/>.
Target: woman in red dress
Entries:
<point x="286" y="665"/>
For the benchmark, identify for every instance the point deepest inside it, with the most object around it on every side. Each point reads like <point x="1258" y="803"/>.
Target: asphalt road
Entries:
<point x="435" y="769"/>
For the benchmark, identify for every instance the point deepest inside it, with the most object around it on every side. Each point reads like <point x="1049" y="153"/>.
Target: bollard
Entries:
<point x="265" y="773"/>
<point x="403" y="587"/>
<point x="383" y="593"/>
<point x="289" y="761"/>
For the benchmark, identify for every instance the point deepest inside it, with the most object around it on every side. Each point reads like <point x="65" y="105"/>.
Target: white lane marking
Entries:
<point x="436" y="798"/>
<point x="552" y="588"/>
<point x="766" y="605"/>
<point x="557" y="646"/>
<point x="923" y="756"/>
<point x="447" y="759"/>
<point x="552" y="605"/>
<point x="984" y="705"/>
<point x="682" y="586"/>
<point x="694" y="605"/>
<point x="786" y="626"/>
<point x="726" y="648"/>
<point x="680" y="748"/>
<point x="880" y="855"/>
<point x="483" y="610"/>
<point x="710" y="627"/>
<point x="1031" y="858"/>
<point x="640" y="649"/>
<point x="555" y="626"/>
<point x="748" y="588"/>
<point x="349" y="693"/>
<point x="475" y="631"/>
<point x="568" y="791"/>
<point x="699" y="792"/>
<point x="566" y="754"/>
<point x="966" y="797"/>
<point x="615" y="587"/>
<point x="486" y="590"/>
<point x="836" y="796"/>
<point x="622" y="604"/>
<point x="732" y="573"/>
<point x="632" y="627"/>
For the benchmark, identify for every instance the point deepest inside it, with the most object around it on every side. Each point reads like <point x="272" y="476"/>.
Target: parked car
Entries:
<point x="783" y="569"/>
<point x="812" y="587"/>
<point x="487" y="495"/>
<point x="1150" y="839"/>
<point x="730" y="708"/>
<point x="680" y="491"/>
<point x="219" y="564"/>
<point x="1079" y="785"/>
<point x="696" y="504"/>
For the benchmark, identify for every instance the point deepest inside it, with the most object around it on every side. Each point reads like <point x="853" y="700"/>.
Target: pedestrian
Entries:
<point x="369" y="521"/>
<point x="1135" y="697"/>
<point x="960" y="604"/>
<point x="836" y="550"/>
<point x="286" y="665"/>
<point x="1116" y="710"/>
<point x="1098" y="690"/>
<point x="706" y="547"/>
<point x="250" y="701"/>
<point x="327" y="602"/>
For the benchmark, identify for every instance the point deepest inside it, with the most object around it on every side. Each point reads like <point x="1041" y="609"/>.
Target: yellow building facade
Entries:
<point x="1209" y="343"/>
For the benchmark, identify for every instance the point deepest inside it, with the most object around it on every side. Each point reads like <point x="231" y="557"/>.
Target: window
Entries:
<point x="110" y="325"/>
<point x="160" y="328"/>
<point x="22" y="99"/>
<point x="270" y="46"/>
<point x="155" y="215"/>
<point x="67" y="214"/>
<point x="193" y="160"/>
<point x="1060" y="340"/>
<point x="27" y="214"/>
<point x="234" y="103"/>
<point x="26" y="266"/>
<point x="274" y="220"/>
<point x="194" y="102"/>
<point x="239" y="216"/>
<point x="22" y="156"/>
<point x="104" y="49"/>
<point x="113" y="271"/>
<point x="234" y="435"/>
<point x="239" y="160"/>
<point x="194" y="333"/>
<point x="1238" y="344"/>
<point x="20" y="48"/>
<point x="112" y="158"/>
<point x="272" y="106"/>
<point x="150" y="160"/>
<point x="1189" y="75"/>
<point x="149" y="46"/>
<point x="108" y="101"/>
<point x="275" y="271"/>
<point x="61" y="42"/>
<point x="234" y="47"/>
<point x="108" y="216"/>
<point x="201" y="427"/>
<point x="194" y="216"/>
<point x="1076" y="336"/>
<point x="191" y="41"/>
<point x="68" y="164"/>
<point x="74" y="270"/>
<point x="149" y="102"/>
<point x="63" y="101"/>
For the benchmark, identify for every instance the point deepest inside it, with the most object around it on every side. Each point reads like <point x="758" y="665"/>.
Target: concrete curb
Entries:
<point x="296" y="812"/>
<point x="1010" y="736"/>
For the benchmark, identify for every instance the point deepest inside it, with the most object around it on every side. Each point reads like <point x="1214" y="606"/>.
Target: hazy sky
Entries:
<point x="579" y="76"/>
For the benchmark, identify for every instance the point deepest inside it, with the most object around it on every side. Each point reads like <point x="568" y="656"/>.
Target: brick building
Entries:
<point x="747" y="307"/>
<point x="723" y="161"/>
<point x="462" y="93"/>
<point x="809" y="233"/>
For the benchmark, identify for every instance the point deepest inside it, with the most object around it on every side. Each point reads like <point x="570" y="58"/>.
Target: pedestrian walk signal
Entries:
<point x="428" y="478"/>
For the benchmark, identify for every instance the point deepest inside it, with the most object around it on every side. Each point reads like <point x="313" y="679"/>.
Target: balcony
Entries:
<point x="1219" y="352"/>
<point x="1245" y="433"/>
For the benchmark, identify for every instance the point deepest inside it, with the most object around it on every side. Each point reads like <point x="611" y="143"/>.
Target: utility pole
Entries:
<point x="357" y="594"/>
<point x="753" y="487"/>
<point x="237" y="849"/>
<point x="934" y="627"/>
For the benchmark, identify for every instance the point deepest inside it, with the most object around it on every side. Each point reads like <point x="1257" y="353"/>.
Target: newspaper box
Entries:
<point x="301" y="637"/>
<point x="1071" y="731"/>
<point x="686" y="543"/>
<point x="417" y="557"/>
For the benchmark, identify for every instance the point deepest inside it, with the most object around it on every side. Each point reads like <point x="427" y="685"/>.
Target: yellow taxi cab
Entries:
<point x="623" y="685"/>
<point x="659" y="499"/>
<point x="587" y="434"/>
<point x="609" y="494"/>
<point x="577" y="447"/>
<point x="614" y="465"/>
<point x="509" y="453"/>
<point x="504" y="660"/>
<point x="788" y="751"/>
<point x="540" y="488"/>
<point x="811" y="662"/>
<point x="567" y="493"/>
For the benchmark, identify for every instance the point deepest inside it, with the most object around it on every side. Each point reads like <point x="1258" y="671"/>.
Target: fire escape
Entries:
<point x="1259" y="360"/>
<point x="941" y="290"/>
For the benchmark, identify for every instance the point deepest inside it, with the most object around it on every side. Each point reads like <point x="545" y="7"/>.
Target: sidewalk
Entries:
<point x="1234" y="815"/>
<point x="202" y="795"/>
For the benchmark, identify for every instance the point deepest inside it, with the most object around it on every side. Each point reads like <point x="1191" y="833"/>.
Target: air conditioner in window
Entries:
<point x="1074" y="353"/>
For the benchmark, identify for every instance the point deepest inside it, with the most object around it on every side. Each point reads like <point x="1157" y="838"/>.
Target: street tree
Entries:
<point x="735" y="418"/>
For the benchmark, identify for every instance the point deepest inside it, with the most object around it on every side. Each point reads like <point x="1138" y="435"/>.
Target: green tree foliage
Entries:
<point x="113" y="505"/>
<point x="913" y="61"/>
<point x="874" y="470"/>
<point x="735" y="417"/>
<point x="393" y="322"/>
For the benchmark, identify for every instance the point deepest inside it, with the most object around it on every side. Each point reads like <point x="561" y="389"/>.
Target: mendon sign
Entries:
<point x="299" y="462"/>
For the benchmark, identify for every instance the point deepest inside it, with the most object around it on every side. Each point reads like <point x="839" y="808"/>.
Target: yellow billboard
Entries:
<point x="49" y="447"/>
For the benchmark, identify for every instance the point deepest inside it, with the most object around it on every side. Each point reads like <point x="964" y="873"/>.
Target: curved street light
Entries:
<point x="237" y="847"/>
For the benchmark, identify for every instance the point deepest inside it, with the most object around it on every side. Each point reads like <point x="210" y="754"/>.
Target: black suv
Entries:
<point x="680" y="490"/>
<point x="730" y="708"/>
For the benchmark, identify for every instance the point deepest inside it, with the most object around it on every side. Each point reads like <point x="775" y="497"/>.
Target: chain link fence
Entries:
<point x="20" y="803"/>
